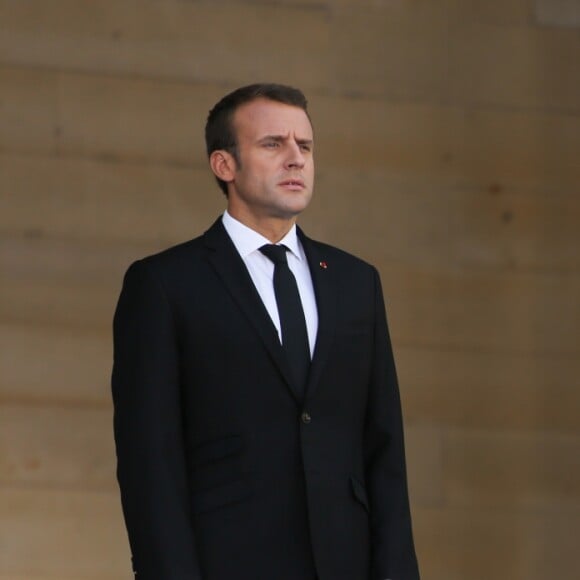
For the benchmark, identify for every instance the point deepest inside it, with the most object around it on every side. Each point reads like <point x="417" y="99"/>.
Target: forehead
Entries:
<point x="264" y="117"/>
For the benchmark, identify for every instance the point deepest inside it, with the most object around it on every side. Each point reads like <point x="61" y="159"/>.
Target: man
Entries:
<point x="257" y="415"/>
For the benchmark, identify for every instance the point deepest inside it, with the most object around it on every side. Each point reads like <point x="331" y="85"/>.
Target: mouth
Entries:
<point x="292" y="184"/>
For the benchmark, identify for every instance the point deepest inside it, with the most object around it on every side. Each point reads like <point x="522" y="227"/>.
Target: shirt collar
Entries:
<point x="246" y="240"/>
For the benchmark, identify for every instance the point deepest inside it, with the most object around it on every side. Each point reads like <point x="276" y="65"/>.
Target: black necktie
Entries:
<point x="294" y="334"/>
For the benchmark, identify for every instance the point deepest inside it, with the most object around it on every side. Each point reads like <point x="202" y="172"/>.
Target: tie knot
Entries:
<point x="276" y="253"/>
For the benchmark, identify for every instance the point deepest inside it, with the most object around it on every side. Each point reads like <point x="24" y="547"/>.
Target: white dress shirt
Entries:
<point x="248" y="243"/>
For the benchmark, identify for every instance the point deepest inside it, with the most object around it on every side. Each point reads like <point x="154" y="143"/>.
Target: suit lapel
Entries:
<point x="323" y="280"/>
<point x="230" y="267"/>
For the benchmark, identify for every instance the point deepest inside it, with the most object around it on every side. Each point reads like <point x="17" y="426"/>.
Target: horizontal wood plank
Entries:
<point x="169" y="39"/>
<point x="55" y="366"/>
<point x="500" y="147"/>
<point x="424" y="457"/>
<point x="519" y="312"/>
<point x="521" y="67"/>
<point x="345" y="47"/>
<point x="479" y="544"/>
<point x="562" y="13"/>
<point x="391" y="49"/>
<point x="489" y="390"/>
<point x="498" y="12"/>
<point x="129" y="119"/>
<point x="508" y="469"/>
<point x="401" y="218"/>
<point x="446" y="225"/>
<point x="55" y="447"/>
<point x="62" y="534"/>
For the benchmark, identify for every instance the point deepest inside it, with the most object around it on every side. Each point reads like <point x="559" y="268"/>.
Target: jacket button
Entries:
<point x="305" y="417"/>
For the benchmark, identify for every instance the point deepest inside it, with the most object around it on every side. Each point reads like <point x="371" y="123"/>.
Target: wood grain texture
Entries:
<point x="169" y="39"/>
<point x="489" y="390"/>
<point x="63" y="534"/>
<point x="480" y="544"/>
<point x="47" y="365"/>
<point x="418" y="221"/>
<point x="129" y="119"/>
<point x="512" y="469"/>
<point x="68" y="448"/>
<point x="564" y="13"/>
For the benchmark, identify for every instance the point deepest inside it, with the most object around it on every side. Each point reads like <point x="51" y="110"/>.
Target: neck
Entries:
<point x="274" y="229"/>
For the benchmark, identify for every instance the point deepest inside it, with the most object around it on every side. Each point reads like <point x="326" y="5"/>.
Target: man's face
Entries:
<point x="275" y="176"/>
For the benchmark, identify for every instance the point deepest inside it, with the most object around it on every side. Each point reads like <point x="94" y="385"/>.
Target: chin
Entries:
<point x="295" y="209"/>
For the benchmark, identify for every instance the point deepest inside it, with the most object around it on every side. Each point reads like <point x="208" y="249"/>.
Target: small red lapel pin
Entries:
<point x="323" y="265"/>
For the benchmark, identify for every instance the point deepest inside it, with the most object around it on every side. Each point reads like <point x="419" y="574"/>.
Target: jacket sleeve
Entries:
<point x="393" y="551"/>
<point x="149" y="433"/>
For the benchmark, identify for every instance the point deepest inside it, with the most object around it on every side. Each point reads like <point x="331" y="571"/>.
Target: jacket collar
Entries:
<point x="231" y="269"/>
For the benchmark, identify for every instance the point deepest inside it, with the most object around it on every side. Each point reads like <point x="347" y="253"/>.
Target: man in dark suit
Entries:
<point x="257" y="415"/>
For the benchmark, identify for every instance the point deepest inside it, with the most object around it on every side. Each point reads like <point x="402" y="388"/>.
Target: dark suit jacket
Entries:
<point x="225" y="473"/>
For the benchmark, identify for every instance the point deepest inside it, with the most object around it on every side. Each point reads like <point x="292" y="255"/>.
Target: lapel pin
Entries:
<point x="323" y="265"/>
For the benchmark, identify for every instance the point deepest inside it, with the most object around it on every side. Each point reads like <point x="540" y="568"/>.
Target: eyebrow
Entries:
<point x="280" y="138"/>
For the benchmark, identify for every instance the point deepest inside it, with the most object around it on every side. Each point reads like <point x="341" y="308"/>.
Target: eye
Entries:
<point x="306" y="148"/>
<point x="271" y="144"/>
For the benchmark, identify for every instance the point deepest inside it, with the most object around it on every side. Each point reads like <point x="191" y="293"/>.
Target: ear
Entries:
<point x="223" y="165"/>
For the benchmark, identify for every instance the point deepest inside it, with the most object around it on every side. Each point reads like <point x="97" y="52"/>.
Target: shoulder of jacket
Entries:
<point x="337" y="254"/>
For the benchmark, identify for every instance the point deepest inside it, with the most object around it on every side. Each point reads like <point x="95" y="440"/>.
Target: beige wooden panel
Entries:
<point x="135" y="118"/>
<point x="479" y="544"/>
<point x="28" y="109"/>
<point x="513" y="311"/>
<point x="502" y="12"/>
<point x="424" y="456"/>
<point x="54" y="365"/>
<point x="77" y="198"/>
<point x="64" y="282"/>
<point x="77" y="304"/>
<point x="519" y="66"/>
<point x="395" y="49"/>
<point x="414" y="51"/>
<point x="496" y="148"/>
<point x="417" y="221"/>
<point x="60" y="577"/>
<point x="62" y="534"/>
<point x="444" y="224"/>
<point x="36" y="577"/>
<point x="564" y="13"/>
<point x="504" y="468"/>
<point x="489" y="390"/>
<point x="57" y="447"/>
<point x="193" y="40"/>
<point x="139" y="119"/>
<point x="102" y="115"/>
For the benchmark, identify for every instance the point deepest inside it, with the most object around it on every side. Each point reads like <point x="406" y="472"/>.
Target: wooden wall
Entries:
<point x="448" y="154"/>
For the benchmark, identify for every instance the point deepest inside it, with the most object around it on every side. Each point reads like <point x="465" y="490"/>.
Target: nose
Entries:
<point x="295" y="157"/>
